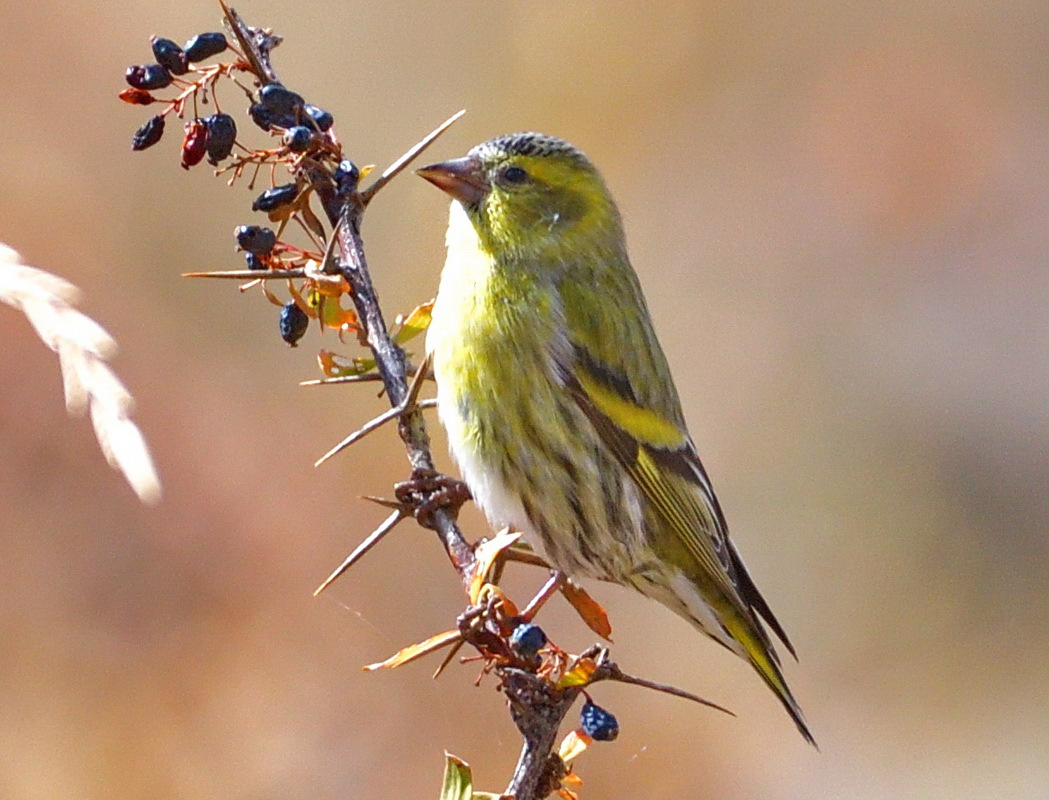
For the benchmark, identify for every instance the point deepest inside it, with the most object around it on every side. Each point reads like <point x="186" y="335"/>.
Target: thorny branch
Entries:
<point x="345" y="214"/>
<point x="538" y="699"/>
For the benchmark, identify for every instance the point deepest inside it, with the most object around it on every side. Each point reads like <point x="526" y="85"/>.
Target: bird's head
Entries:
<point x="531" y="195"/>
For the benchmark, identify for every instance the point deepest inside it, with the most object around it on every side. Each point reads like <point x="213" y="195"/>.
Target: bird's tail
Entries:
<point x="760" y="654"/>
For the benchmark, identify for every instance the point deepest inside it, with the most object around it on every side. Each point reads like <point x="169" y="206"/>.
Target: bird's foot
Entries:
<point x="428" y="490"/>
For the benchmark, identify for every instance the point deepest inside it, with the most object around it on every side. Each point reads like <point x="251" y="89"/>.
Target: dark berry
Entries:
<point x="293" y="323"/>
<point x="321" y="118"/>
<point x="205" y="45"/>
<point x="268" y="120"/>
<point x="195" y="143"/>
<point x="298" y="139"/>
<point x="222" y="133"/>
<point x="276" y="197"/>
<point x="347" y="175"/>
<point x="254" y="262"/>
<point x="280" y="100"/>
<point x="597" y="723"/>
<point x="255" y="239"/>
<point x="148" y="77"/>
<point x="527" y="640"/>
<point x="170" y="56"/>
<point x="137" y="97"/>
<point x="149" y="134"/>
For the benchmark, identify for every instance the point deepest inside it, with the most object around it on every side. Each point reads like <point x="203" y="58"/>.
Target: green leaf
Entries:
<point x="458" y="782"/>
<point x="417" y="322"/>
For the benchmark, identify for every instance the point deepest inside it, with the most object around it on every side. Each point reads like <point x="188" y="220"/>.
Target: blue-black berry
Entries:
<point x="298" y="139"/>
<point x="255" y="239"/>
<point x="293" y="323"/>
<point x="149" y="134"/>
<point x="276" y="197"/>
<point x="222" y="133"/>
<point x="267" y="120"/>
<point x="527" y="640"/>
<point x="254" y="262"/>
<point x="280" y="100"/>
<point x="321" y="118"/>
<point x="170" y="56"/>
<point x="346" y="176"/>
<point x="598" y="724"/>
<point x="205" y="45"/>
<point x="148" y="77"/>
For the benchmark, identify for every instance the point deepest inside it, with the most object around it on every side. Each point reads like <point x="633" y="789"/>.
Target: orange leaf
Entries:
<point x="488" y="590"/>
<point x="486" y="554"/>
<point x="588" y="608"/>
<point x="579" y="674"/>
<point x="415" y="651"/>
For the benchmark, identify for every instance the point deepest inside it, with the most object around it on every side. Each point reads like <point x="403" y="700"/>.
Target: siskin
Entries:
<point x="558" y="401"/>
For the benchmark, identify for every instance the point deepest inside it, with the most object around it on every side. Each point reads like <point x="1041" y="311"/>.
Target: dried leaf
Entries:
<point x="412" y="652"/>
<point x="490" y="590"/>
<point x="579" y="674"/>
<point x="573" y="780"/>
<point x="416" y="322"/>
<point x="458" y="781"/>
<point x="311" y="221"/>
<point x="588" y="608"/>
<point x="335" y="366"/>
<point x="573" y="745"/>
<point x="486" y="554"/>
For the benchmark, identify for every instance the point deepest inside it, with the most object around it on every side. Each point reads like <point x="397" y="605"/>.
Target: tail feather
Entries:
<point x="765" y="663"/>
<point x="752" y="597"/>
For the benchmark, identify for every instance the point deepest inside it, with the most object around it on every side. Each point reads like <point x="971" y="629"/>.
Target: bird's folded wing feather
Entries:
<point x="660" y="457"/>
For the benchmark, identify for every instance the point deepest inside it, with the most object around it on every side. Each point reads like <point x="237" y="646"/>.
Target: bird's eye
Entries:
<point x="513" y="174"/>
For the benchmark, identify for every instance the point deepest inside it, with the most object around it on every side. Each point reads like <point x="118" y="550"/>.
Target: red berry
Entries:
<point x="137" y="97"/>
<point x="195" y="143"/>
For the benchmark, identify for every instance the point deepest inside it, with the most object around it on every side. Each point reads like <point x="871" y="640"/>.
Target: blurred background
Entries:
<point x="839" y="217"/>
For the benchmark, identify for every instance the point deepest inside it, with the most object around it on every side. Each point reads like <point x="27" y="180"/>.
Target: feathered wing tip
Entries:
<point x="753" y="598"/>
<point x="747" y="631"/>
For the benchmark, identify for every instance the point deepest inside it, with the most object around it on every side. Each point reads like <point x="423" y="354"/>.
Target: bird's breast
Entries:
<point x="493" y="330"/>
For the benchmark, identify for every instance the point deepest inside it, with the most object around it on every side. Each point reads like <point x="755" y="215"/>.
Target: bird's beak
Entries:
<point x="462" y="178"/>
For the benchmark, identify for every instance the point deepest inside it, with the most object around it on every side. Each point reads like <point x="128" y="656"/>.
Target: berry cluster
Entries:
<point x="302" y="141"/>
<point x="214" y="135"/>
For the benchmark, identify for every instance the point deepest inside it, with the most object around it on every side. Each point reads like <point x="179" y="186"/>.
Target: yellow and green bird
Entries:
<point x="558" y="401"/>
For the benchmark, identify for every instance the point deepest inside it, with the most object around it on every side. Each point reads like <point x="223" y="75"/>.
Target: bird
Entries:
<point x="558" y="401"/>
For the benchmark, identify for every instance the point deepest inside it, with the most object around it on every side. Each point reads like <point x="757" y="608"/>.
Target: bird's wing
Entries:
<point x="659" y="455"/>
<point x="660" y="458"/>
